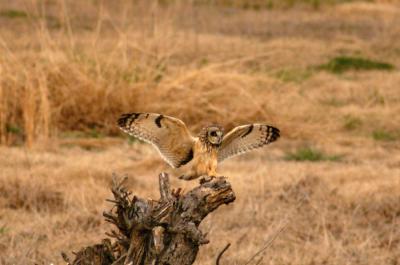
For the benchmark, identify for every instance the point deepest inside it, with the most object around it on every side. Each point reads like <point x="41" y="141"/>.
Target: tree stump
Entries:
<point x="163" y="232"/>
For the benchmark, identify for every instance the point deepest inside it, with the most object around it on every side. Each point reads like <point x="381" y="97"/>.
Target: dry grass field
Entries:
<point x="325" y="72"/>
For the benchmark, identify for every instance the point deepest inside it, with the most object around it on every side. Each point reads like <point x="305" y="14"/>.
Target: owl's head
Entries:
<point x="214" y="134"/>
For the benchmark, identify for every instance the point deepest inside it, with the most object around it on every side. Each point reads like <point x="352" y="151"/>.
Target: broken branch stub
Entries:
<point x="157" y="232"/>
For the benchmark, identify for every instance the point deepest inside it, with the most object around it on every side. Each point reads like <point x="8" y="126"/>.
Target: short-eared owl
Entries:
<point x="177" y="146"/>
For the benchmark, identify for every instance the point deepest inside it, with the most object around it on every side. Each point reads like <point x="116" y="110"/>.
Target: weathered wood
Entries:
<point x="163" y="232"/>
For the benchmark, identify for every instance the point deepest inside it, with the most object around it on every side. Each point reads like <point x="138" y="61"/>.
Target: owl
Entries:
<point x="177" y="146"/>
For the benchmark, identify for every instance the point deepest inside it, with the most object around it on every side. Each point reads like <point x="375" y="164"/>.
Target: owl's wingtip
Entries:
<point x="121" y="122"/>
<point x="275" y="133"/>
<point x="126" y="119"/>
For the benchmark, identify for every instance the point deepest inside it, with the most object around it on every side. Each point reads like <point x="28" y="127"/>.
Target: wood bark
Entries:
<point x="162" y="232"/>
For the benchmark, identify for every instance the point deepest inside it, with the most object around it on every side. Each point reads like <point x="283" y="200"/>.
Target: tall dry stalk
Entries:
<point x="78" y="66"/>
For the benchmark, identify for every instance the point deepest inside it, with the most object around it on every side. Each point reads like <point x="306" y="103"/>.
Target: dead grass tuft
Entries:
<point x="30" y="195"/>
<point x="97" y="64"/>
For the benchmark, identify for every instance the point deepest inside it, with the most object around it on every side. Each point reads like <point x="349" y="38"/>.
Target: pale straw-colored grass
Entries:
<point x="68" y="69"/>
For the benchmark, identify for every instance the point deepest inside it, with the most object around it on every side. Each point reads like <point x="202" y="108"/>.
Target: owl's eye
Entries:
<point x="213" y="133"/>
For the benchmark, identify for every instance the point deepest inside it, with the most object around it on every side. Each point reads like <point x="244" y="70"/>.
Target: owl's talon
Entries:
<point x="206" y="179"/>
<point x="176" y="193"/>
<point x="184" y="177"/>
<point x="187" y="177"/>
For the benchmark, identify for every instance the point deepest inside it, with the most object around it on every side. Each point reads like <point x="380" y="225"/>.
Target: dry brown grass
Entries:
<point x="339" y="212"/>
<point x="78" y="66"/>
<point x="69" y="68"/>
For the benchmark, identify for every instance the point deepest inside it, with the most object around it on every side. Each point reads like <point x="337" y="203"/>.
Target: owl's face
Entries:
<point x="215" y="135"/>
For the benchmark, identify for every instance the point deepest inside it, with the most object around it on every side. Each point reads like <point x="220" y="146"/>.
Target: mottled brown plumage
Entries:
<point x="178" y="147"/>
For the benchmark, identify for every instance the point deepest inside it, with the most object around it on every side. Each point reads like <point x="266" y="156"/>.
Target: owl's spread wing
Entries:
<point x="169" y="135"/>
<point x="245" y="138"/>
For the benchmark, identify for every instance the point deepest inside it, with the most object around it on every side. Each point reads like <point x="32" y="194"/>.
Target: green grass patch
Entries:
<point x="265" y="4"/>
<point x="333" y="102"/>
<point x="351" y="123"/>
<point x="382" y="135"/>
<point x="342" y="64"/>
<point x="13" y="13"/>
<point x="72" y="134"/>
<point x="293" y="75"/>
<point x="203" y="62"/>
<point x="377" y="98"/>
<point x="310" y="154"/>
<point x="92" y="133"/>
<point x="3" y="230"/>
<point x="14" y="129"/>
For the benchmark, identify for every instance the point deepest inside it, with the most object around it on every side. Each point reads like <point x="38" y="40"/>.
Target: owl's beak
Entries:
<point x="220" y="137"/>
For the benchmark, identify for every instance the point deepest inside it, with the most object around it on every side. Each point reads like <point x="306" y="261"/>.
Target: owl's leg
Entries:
<point x="206" y="178"/>
<point x="211" y="174"/>
<point x="191" y="175"/>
